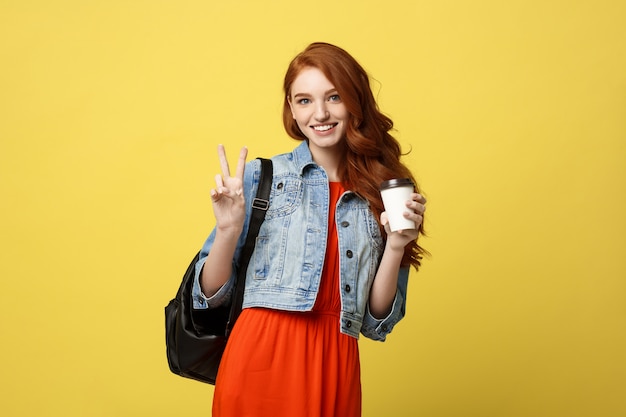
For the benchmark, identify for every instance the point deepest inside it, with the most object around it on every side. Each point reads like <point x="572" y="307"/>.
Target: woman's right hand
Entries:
<point x="228" y="196"/>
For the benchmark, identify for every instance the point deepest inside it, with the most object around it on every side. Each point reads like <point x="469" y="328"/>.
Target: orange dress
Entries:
<point x="293" y="364"/>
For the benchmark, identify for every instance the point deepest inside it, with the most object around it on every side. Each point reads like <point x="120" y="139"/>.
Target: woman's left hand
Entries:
<point x="399" y="239"/>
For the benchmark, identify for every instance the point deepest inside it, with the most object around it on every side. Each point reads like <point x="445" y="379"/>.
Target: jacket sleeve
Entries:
<point x="223" y="295"/>
<point x="378" y="329"/>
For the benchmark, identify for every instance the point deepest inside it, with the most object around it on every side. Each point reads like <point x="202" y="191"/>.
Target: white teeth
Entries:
<point x="323" y="128"/>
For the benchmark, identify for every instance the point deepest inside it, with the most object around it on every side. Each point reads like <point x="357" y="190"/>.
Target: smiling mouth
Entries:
<point x="324" y="128"/>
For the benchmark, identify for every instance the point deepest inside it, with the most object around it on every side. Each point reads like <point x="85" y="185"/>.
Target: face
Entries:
<point x="318" y="110"/>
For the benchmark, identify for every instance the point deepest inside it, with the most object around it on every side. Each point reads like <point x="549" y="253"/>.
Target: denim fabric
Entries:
<point x="286" y="266"/>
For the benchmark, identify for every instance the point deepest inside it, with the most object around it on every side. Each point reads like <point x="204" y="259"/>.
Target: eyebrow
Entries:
<point x="332" y="90"/>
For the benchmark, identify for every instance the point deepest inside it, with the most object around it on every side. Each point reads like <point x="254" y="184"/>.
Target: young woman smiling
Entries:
<point x="326" y="266"/>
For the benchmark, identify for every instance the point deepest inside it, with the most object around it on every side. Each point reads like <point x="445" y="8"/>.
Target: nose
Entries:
<point x="321" y="113"/>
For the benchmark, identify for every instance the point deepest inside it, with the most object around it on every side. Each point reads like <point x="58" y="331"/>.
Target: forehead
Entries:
<point x="311" y="80"/>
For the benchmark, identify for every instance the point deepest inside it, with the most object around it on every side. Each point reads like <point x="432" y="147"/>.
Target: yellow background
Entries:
<point x="110" y="113"/>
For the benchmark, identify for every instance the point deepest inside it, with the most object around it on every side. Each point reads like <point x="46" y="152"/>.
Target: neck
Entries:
<point x="332" y="176"/>
<point x="331" y="162"/>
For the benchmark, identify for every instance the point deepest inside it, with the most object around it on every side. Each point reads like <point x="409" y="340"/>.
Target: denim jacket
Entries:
<point x="286" y="267"/>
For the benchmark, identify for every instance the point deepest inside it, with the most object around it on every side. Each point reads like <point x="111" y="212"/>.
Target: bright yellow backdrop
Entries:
<point x="110" y="113"/>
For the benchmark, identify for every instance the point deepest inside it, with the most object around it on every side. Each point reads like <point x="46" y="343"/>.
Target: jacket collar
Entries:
<point x="302" y="157"/>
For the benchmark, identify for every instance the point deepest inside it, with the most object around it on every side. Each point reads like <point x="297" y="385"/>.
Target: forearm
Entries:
<point x="385" y="285"/>
<point x="217" y="268"/>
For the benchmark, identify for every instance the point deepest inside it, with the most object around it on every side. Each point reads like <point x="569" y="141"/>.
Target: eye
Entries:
<point x="334" y="97"/>
<point x="304" y="101"/>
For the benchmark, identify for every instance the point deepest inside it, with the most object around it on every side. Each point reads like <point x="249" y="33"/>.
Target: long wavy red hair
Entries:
<point x="372" y="154"/>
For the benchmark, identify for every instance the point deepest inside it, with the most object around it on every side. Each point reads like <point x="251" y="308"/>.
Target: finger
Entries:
<point x="384" y="220"/>
<point x="420" y="198"/>
<point x="219" y="182"/>
<point x="214" y="195"/>
<point x="417" y="219"/>
<point x="241" y="163"/>
<point x="221" y="152"/>
<point x="414" y="208"/>
<point x="417" y="208"/>
<point x="417" y="204"/>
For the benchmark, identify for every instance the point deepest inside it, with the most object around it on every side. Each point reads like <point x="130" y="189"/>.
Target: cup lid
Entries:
<point x="398" y="182"/>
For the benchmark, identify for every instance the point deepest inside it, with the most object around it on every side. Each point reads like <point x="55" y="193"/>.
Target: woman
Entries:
<point x="326" y="266"/>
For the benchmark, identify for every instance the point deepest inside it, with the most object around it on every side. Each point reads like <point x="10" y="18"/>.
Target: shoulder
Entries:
<point x="252" y="172"/>
<point x="293" y="162"/>
<point x="280" y="165"/>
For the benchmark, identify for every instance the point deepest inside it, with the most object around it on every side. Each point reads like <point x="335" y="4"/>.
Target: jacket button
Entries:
<point x="347" y="288"/>
<point x="349" y="254"/>
<point x="348" y="324"/>
<point x="345" y="224"/>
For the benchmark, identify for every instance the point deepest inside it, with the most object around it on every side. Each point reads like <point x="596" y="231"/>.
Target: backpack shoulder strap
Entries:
<point x="260" y="204"/>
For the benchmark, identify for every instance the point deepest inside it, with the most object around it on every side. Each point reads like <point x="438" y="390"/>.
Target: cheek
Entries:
<point x="342" y="113"/>
<point x="300" y="121"/>
<point x="303" y="127"/>
<point x="300" y="117"/>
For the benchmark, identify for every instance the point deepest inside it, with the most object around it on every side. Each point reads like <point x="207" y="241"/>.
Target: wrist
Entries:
<point x="229" y="234"/>
<point x="391" y="249"/>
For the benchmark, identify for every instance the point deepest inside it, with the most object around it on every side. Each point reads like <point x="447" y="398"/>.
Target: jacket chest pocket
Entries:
<point x="285" y="197"/>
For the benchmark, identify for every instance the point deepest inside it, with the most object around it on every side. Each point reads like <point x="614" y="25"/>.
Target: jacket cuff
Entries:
<point x="378" y="329"/>
<point x="201" y="301"/>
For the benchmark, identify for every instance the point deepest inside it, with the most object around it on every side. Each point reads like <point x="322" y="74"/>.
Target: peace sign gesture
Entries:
<point x="228" y="197"/>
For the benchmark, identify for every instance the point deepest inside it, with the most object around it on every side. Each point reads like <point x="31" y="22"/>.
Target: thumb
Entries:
<point x="384" y="220"/>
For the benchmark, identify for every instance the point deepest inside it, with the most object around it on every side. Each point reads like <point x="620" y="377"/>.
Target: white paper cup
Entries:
<point x="395" y="194"/>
